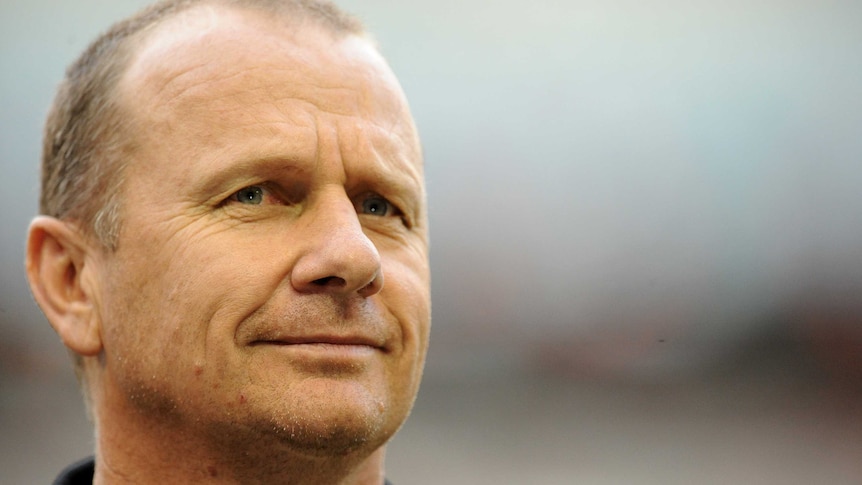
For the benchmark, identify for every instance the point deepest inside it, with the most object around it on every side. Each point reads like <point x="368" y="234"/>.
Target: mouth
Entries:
<point x="324" y="346"/>
<point x="323" y="340"/>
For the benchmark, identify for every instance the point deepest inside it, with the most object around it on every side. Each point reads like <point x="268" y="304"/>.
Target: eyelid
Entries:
<point x="268" y="193"/>
<point x="396" y="208"/>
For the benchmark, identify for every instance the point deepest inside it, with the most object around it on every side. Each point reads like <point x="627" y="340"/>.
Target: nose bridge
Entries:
<point x="338" y="256"/>
<point x="333" y="213"/>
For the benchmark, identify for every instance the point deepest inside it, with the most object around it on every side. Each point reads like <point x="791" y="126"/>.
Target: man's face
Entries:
<point x="271" y="275"/>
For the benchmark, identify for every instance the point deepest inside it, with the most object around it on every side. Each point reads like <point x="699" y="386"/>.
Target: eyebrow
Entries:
<point x="403" y="177"/>
<point x="400" y="170"/>
<point x="246" y="171"/>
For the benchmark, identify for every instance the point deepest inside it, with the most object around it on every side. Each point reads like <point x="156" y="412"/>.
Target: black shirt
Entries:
<point x="78" y="473"/>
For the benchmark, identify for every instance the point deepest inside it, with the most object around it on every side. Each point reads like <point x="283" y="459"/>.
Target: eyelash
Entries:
<point x="245" y="195"/>
<point x="368" y="206"/>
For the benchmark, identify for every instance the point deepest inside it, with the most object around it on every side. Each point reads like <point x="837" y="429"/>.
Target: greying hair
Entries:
<point x="87" y="141"/>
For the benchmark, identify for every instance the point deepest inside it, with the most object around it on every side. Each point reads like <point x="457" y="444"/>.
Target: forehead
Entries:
<point x="216" y="57"/>
<point x="221" y="41"/>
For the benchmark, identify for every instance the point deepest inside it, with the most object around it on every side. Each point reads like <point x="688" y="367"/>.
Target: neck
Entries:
<point x="134" y="447"/>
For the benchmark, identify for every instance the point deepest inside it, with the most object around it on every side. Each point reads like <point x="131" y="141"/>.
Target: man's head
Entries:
<point x="241" y="257"/>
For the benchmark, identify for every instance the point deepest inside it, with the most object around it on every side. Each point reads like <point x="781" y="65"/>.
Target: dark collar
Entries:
<point x="81" y="473"/>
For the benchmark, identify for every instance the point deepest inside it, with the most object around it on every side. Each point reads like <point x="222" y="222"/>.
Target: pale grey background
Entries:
<point x="646" y="224"/>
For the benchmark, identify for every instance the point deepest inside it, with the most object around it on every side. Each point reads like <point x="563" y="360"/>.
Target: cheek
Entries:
<point x="406" y="290"/>
<point x="149" y="317"/>
<point x="187" y="298"/>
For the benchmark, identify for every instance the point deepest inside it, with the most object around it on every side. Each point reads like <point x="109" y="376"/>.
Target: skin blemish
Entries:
<point x="242" y="399"/>
<point x="212" y="471"/>
<point x="199" y="370"/>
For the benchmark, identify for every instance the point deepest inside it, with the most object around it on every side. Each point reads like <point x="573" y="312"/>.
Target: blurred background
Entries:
<point x="646" y="239"/>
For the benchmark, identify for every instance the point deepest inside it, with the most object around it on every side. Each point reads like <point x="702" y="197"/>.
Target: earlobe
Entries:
<point x="57" y="267"/>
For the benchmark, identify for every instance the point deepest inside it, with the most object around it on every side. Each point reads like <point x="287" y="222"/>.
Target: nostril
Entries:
<point x="330" y="281"/>
<point x="370" y="288"/>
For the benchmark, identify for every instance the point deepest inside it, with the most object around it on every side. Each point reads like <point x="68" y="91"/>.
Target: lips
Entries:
<point x="335" y="353"/>
<point x="348" y="340"/>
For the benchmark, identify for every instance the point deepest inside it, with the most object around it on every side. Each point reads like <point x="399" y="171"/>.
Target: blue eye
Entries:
<point x="249" y="195"/>
<point x="377" y="206"/>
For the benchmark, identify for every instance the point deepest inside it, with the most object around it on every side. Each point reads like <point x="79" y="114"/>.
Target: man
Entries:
<point x="234" y="245"/>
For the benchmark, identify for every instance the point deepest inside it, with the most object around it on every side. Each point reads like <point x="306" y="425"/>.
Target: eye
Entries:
<point x="377" y="206"/>
<point x="252" y="195"/>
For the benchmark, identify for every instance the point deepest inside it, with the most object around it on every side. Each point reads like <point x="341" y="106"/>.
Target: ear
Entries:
<point x="58" y="259"/>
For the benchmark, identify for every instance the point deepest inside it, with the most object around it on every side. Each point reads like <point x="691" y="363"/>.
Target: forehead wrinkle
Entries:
<point x="162" y="63"/>
<point x="163" y="89"/>
<point x="389" y="162"/>
<point x="205" y="88"/>
<point x="262" y="90"/>
<point x="404" y="172"/>
<point x="407" y="146"/>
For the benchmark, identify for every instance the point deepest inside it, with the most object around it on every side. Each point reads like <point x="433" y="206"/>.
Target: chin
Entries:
<point x="326" y="441"/>
<point x="326" y="419"/>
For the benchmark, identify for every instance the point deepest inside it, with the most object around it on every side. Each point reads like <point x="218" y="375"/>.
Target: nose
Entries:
<point x="336" y="257"/>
